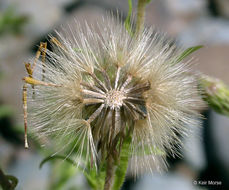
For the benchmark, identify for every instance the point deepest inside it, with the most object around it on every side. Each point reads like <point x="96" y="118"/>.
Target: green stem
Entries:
<point x="140" y="16"/>
<point x="110" y="171"/>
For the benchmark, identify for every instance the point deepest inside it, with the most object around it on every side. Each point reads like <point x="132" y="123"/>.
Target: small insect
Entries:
<point x="41" y="52"/>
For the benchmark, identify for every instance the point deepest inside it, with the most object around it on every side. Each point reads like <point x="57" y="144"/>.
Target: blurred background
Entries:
<point x="24" y="23"/>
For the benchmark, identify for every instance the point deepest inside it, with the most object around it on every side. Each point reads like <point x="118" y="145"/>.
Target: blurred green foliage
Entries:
<point x="7" y="182"/>
<point x="61" y="174"/>
<point x="11" y="23"/>
<point x="216" y="93"/>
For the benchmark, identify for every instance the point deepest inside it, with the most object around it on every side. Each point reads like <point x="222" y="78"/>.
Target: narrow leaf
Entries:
<point x="91" y="175"/>
<point x="13" y="181"/>
<point x="49" y="158"/>
<point x="7" y="182"/>
<point x="96" y="178"/>
<point x="60" y="176"/>
<point x="186" y="53"/>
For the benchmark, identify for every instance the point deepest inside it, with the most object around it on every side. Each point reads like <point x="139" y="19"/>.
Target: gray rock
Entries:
<point x="223" y="7"/>
<point x="206" y="31"/>
<point x="186" y="8"/>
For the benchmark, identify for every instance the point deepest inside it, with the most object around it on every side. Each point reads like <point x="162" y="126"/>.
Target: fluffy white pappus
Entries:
<point x="110" y="84"/>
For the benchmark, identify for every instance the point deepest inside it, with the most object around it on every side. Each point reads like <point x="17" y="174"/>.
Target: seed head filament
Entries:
<point x="114" y="99"/>
<point x="112" y="103"/>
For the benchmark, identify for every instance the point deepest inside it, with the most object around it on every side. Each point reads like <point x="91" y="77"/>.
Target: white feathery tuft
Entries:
<point x="111" y="83"/>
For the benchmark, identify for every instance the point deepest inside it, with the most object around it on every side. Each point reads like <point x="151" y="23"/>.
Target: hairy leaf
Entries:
<point x="121" y="169"/>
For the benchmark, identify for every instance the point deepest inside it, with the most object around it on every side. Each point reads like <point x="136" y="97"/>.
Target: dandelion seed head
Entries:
<point x="113" y="84"/>
<point x="114" y="98"/>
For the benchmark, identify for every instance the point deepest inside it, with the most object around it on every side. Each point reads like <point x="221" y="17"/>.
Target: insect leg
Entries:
<point x="43" y="50"/>
<point x="33" y="82"/>
<point x="24" y="99"/>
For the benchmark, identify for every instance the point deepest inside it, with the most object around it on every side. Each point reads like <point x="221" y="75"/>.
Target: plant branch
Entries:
<point x="140" y="16"/>
<point x="110" y="171"/>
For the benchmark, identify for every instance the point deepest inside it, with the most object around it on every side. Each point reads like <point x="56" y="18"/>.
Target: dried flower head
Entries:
<point x="101" y="86"/>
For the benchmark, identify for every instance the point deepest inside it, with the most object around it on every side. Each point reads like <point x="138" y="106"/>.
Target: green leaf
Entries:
<point x="12" y="23"/>
<point x="186" y="53"/>
<point x="13" y="181"/>
<point x="96" y="178"/>
<point x="7" y="182"/>
<point x="60" y="176"/>
<point x="95" y="181"/>
<point x="127" y="21"/>
<point x="121" y="169"/>
<point x="49" y="158"/>
<point x="92" y="181"/>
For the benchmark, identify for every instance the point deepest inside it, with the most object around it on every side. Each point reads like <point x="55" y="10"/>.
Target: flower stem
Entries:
<point x="110" y="171"/>
<point x="140" y="16"/>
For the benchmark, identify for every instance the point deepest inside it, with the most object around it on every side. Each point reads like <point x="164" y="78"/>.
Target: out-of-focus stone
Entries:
<point x="61" y="3"/>
<point x="6" y="151"/>
<point x="120" y="5"/>
<point x="174" y="16"/>
<point x="11" y="45"/>
<point x="11" y="82"/>
<point x="90" y="14"/>
<point x="220" y="131"/>
<point x="194" y="150"/>
<point x="223" y="7"/>
<point x="182" y="13"/>
<point x="186" y="8"/>
<point x="42" y="15"/>
<point x="169" y="181"/>
<point x="206" y="31"/>
<point x="213" y="61"/>
<point x="26" y="170"/>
